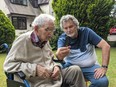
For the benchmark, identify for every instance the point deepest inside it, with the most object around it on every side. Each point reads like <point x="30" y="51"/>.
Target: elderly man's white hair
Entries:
<point x="67" y="17"/>
<point x="42" y="19"/>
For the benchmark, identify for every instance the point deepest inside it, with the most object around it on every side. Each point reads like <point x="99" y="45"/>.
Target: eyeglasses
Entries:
<point x="50" y="30"/>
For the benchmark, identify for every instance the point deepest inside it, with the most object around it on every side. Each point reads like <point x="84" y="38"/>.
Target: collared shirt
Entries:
<point x="82" y="51"/>
<point x="36" y="41"/>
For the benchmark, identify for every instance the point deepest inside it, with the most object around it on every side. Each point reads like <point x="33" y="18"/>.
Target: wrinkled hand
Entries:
<point x="56" y="73"/>
<point x="62" y="52"/>
<point x="42" y="72"/>
<point x="100" y="72"/>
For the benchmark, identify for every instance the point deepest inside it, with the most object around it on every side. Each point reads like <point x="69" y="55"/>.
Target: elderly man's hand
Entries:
<point x="62" y="52"/>
<point x="56" y="73"/>
<point x="42" y="72"/>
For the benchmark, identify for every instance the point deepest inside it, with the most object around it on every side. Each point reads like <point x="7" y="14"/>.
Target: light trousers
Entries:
<point x="73" y="77"/>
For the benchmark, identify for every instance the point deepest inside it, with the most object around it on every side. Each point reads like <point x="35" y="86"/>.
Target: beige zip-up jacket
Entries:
<point x="24" y="56"/>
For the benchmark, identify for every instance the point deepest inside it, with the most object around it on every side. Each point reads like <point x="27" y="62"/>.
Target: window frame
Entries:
<point x="18" y="22"/>
<point x="34" y="3"/>
<point x="18" y="2"/>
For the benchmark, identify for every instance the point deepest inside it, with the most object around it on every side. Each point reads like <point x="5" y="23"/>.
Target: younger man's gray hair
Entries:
<point x="67" y="17"/>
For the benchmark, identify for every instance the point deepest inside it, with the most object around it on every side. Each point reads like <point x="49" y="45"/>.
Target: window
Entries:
<point x="43" y="2"/>
<point x="34" y="3"/>
<point x="20" y="2"/>
<point x="19" y="22"/>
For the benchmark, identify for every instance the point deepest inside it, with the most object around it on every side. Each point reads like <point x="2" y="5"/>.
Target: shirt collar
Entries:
<point x="36" y="41"/>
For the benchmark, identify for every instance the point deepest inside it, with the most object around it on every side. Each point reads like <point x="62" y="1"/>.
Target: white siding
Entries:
<point x="45" y="8"/>
<point x="4" y="7"/>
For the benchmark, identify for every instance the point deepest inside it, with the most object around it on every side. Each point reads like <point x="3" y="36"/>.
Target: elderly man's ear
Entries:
<point x="36" y="29"/>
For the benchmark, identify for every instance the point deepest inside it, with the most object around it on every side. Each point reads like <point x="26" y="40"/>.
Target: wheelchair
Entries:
<point x="12" y="83"/>
<point x="10" y="76"/>
<point x="4" y="48"/>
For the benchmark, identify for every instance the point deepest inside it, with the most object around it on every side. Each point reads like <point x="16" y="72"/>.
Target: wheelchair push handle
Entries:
<point x="4" y="48"/>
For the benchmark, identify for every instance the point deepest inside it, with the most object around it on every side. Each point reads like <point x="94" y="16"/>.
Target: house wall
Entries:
<point x="4" y="7"/>
<point x="29" y="28"/>
<point x="5" y="10"/>
<point x="50" y="8"/>
<point x="30" y="11"/>
<point x="45" y="8"/>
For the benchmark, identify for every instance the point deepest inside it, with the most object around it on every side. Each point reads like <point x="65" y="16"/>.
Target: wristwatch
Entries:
<point x="104" y="66"/>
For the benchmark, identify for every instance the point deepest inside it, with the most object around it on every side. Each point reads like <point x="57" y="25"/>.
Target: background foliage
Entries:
<point x="94" y="14"/>
<point x="7" y="31"/>
<point x="54" y="39"/>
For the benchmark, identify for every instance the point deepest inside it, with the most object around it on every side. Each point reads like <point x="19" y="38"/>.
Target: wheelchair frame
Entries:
<point x="10" y="76"/>
<point x="11" y="82"/>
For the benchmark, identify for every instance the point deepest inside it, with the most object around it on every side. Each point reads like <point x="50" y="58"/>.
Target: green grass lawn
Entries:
<point x="2" y="75"/>
<point x="111" y="73"/>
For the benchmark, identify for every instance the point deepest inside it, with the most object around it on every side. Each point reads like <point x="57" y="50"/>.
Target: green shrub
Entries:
<point x="90" y="13"/>
<point x="7" y="31"/>
<point x="53" y="41"/>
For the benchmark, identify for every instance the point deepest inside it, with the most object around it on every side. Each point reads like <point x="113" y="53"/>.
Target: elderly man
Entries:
<point x="32" y="54"/>
<point x="78" y="47"/>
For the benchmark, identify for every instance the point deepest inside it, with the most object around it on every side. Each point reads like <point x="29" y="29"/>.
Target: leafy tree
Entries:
<point x="54" y="39"/>
<point x="90" y="13"/>
<point x="113" y="15"/>
<point x="7" y="31"/>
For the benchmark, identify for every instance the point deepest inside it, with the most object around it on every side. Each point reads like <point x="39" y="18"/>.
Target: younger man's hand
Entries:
<point x="62" y="52"/>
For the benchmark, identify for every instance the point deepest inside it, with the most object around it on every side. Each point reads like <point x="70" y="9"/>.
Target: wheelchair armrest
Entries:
<point x="20" y="74"/>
